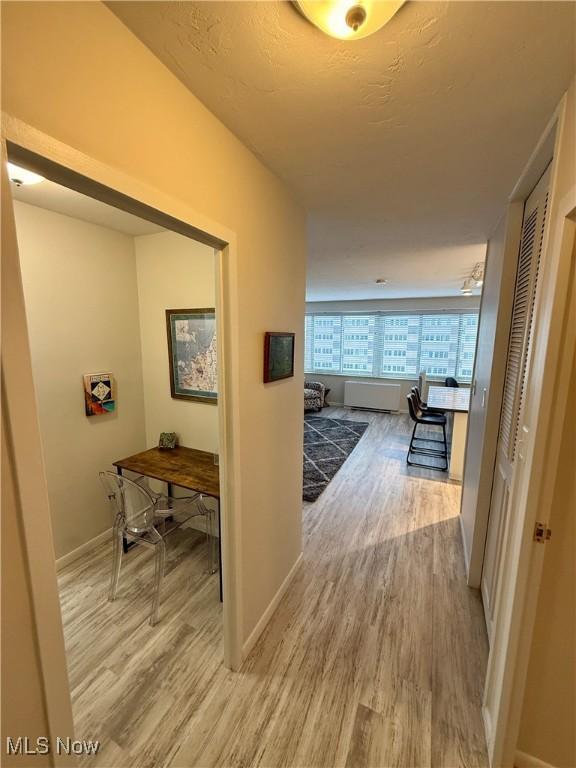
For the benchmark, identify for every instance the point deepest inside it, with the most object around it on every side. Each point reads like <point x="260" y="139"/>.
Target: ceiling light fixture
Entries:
<point x="347" y="19"/>
<point x="381" y="281"/>
<point x="467" y="287"/>
<point x="20" y="176"/>
<point x="478" y="274"/>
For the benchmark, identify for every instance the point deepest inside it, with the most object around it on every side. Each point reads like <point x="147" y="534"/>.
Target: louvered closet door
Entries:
<point x="509" y="442"/>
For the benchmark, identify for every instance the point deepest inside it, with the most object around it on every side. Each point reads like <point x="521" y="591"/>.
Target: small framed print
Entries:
<point x="168" y="441"/>
<point x="192" y="354"/>
<point x="99" y="396"/>
<point x="278" y="356"/>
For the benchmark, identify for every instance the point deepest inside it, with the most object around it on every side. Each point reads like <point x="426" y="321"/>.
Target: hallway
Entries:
<point x="375" y="657"/>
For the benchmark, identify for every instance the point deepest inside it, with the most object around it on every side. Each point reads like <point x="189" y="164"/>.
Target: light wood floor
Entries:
<point x="375" y="657"/>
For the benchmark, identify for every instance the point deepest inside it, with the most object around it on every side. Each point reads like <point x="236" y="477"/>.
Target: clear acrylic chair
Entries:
<point x="147" y="518"/>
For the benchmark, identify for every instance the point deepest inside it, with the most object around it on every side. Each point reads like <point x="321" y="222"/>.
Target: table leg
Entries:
<point x="169" y="490"/>
<point x="211" y="532"/>
<point x="124" y="541"/>
<point x="458" y="446"/>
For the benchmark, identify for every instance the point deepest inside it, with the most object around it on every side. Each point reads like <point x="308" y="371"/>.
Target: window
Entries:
<point x="392" y="345"/>
<point x="358" y="352"/>
<point x="323" y="343"/>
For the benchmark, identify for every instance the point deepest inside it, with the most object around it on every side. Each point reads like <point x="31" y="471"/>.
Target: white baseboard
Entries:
<point x="523" y="760"/>
<point x="97" y="540"/>
<point x="82" y="549"/>
<point x="272" y="605"/>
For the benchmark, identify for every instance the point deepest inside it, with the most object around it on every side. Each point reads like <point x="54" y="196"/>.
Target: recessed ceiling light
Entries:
<point x="347" y="19"/>
<point x="21" y="176"/>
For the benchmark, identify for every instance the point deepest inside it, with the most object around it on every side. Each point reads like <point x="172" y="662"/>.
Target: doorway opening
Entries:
<point x="123" y="312"/>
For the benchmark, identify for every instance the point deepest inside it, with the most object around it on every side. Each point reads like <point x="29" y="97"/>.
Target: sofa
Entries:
<point x="314" y="394"/>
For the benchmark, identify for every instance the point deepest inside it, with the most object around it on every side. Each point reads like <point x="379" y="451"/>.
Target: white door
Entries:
<point x="510" y="440"/>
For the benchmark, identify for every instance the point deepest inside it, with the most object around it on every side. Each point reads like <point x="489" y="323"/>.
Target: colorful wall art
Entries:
<point x="99" y="393"/>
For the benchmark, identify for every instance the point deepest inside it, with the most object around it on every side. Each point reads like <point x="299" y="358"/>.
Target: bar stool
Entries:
<point x="422" y="405"/>
<point x="419" y="402"/>
<point x="419" y="416"/>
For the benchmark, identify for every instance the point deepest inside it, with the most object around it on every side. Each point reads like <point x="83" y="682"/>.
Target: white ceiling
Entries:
<point x="60" y="199"/>
<point x="403" y="146"/>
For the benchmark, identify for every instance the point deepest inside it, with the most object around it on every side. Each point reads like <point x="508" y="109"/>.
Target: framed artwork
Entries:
<point x="168" y="441"/>
<point x="192" y="354"/>
<point x="278" y="356"/>
<point x="99" y="397"/>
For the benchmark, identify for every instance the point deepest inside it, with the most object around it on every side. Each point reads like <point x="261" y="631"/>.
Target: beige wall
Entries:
<point x="336" y="383"/>
<point x="547" y="728"/>
<point x="123" y="108"/>
<point x="33" y="662"/>
<point x="22" y="689"/>
<point x="82" y="308"/>
<point x="174" y="272"/>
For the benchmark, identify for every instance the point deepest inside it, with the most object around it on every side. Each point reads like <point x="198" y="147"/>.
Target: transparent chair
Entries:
<point x="145" y="517"/>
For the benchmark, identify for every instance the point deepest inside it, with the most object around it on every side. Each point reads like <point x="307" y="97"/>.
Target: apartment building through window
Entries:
<point x="391" y="345"/>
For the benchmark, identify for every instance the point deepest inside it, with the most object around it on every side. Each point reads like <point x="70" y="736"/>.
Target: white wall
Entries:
<point x="396" y="305"/>
<point x="336" y="382"/>
<point x="82" y="309"/>
<point x="174" y="272"/>
<point x="486" y="400"/>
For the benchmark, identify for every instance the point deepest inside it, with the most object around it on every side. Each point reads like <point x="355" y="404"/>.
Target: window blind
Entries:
<point x="391" y="345"/>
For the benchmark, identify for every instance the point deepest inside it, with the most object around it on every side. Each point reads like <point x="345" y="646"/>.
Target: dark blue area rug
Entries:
<point x="327" y="445"/>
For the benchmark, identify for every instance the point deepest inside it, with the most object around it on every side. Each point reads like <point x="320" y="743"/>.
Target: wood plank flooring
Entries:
<point x="375" y="657"/>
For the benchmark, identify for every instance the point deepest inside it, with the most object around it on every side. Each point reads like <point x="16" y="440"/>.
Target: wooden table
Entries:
<point x="454" y="400"/>
<point x="185" y="467"/>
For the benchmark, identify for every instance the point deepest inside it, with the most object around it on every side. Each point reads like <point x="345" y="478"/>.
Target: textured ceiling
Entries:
<point x="403" y="147"/>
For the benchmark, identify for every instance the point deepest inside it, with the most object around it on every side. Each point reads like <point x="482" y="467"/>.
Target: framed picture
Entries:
<point x="192" y="354"/>
<point x="278" y="356"/>
<point x="99" y="395"/>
